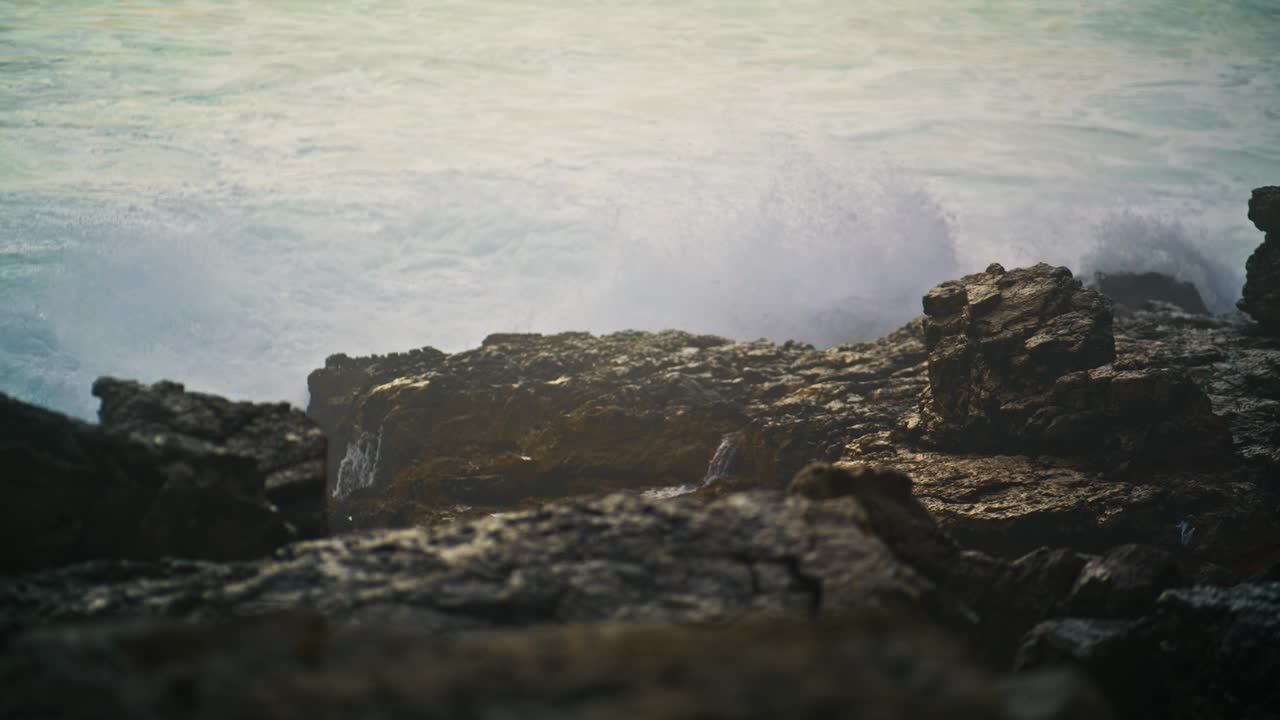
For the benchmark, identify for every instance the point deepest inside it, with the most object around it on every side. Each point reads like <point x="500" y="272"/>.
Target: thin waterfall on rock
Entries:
<point x="722" y="460"/>
<point x="359" y="466"/>
<point x="721" y="463"/>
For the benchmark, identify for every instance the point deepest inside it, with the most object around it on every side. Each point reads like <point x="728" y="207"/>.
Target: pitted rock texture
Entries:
<point x="620" y="557"/>
<point x="1020" y="361"/>
<point x="1261" y="294"/>
<point x="1201" y="652"/>
<point x="295" y="665"/>
<point x="526" y="418"/>
<point x="75" y="492"/>
<point x="286" y="447"/>
<point x="997" y="342"/>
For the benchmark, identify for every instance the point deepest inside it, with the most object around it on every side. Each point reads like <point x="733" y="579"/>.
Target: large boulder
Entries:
<point x="169" y="474"/>
<point x="1020" y="361"/>
<point x="1261" y="295"/>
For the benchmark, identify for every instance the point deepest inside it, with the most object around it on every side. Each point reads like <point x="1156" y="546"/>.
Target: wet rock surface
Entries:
<point x="1261" y="295"/>
<point x="529" y="417"/>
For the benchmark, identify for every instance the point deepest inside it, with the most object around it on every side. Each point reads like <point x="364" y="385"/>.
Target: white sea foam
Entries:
<point x="226" y="192"/>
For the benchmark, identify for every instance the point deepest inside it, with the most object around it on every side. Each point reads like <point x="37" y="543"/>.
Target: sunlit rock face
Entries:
<point x="1022" y="361"/>
<point x="529" y="417"/>
<point x="1261" y="294"/>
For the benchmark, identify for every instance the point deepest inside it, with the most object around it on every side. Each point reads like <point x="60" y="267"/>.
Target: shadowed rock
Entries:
<point x="1201" y="652"/>
<point x="285" y="447"/>
<point x="1123" y="583"/>
<point x="170" y="474"/>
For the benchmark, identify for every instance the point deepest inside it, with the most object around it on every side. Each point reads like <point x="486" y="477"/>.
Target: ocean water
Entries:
<point x="223" y="192"/>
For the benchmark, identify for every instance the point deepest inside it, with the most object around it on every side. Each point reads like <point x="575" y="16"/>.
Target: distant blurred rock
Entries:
<point x="1136" y="291"/>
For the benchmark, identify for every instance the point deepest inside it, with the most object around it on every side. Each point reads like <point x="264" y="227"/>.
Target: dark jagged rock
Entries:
<point x="1021" y="361"/>
<point x="1264" y="208"/>
<point x="1130" y="292"/>
<point x="1203" y="652"/>
<point x="301" y="666"/>
<point x="999" y="340"/>
<point x="143" y="487"/>
<point x="285" y="448"/>
<point x="1261" y="295"/>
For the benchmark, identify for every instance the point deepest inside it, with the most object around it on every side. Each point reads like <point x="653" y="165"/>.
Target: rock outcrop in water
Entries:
<point x="167" y="473"/>
<point x="596" y="526"/>
<point x="1261" y="295"/>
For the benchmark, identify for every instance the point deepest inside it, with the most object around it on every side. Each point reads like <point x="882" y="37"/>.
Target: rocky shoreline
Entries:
<point x="1032" y="502"/>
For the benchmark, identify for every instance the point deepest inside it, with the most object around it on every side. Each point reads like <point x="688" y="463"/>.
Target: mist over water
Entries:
<point x="224" y="193"/>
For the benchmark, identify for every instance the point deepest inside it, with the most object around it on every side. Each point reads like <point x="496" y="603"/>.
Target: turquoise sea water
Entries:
<point x="225" y="192"/>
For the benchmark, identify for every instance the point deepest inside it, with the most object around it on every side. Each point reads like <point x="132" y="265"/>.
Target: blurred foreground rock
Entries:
<point x="303" y="666"/>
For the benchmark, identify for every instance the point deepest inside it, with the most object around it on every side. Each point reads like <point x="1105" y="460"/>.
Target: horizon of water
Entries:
<point x="224" y="192"/>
